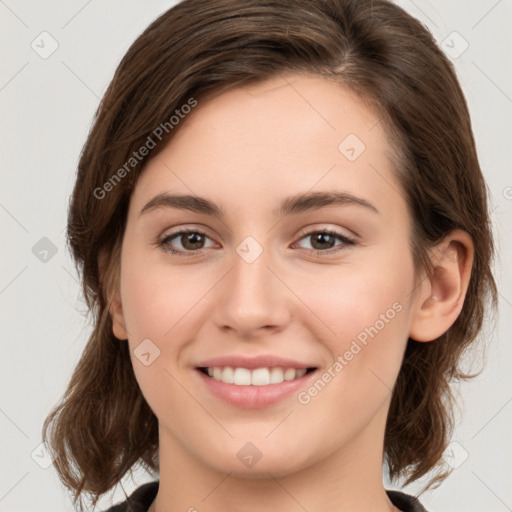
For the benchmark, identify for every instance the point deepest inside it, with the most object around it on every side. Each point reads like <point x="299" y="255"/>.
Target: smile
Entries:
<point x="255" y="377"/>
<point x="254" y="388"/>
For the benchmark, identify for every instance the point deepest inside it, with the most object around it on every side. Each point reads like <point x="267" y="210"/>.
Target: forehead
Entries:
<point x="282" y="112"/>
<point x="285" y="135"/>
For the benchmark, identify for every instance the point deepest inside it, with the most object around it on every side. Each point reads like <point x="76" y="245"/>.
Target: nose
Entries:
<point x="252" y="299"/>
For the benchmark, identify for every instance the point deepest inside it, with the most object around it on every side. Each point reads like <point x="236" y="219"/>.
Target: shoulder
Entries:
<point x="140" y="499"/>
<point x="405" y="502"/>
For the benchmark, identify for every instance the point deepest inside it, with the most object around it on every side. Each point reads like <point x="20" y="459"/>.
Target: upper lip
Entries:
<point x="262" y="361"/>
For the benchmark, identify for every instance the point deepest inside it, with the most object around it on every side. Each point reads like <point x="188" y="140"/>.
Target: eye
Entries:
<point x="191" y="241"/>
<point x="324" y="240"/>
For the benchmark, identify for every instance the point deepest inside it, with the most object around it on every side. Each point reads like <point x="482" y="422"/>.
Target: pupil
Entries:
<point x="321" y="237"/>
<point x="191" y="239"/>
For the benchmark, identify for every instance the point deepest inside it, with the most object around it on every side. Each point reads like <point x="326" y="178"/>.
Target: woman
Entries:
<point x="283" y="233"/>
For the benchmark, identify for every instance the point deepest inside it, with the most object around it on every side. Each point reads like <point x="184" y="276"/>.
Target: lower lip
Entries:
<point x="253" y="397"/>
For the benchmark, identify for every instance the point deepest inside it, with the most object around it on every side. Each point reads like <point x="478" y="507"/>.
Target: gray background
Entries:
<point x="47" y="107"/>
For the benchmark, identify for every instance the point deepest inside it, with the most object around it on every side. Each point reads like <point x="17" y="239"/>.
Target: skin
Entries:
<point x="247" y="149"/>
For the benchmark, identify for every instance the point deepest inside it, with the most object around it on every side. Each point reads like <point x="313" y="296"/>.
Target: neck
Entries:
<point x="348" y="479"/>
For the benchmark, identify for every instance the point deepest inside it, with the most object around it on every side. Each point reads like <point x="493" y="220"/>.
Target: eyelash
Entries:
<point x="164" y="243"/>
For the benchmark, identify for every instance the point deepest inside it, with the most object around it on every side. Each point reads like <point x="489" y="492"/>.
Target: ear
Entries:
<point x="109" y="278"/>
<point x="441" y="296"/>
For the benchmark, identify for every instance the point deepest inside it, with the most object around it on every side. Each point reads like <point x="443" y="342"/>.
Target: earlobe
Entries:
<point x="441" y="296"/>
<point x="109" y="280"/>
<point x="118" y="323"/>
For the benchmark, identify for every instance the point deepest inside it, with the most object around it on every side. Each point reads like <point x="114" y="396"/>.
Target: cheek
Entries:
<point x="356" y="298"/>
<point x="158" y="298"/>
<point x="367" y="310"/>
<point x="161" y="303"/>
<point x="154" y="311"/>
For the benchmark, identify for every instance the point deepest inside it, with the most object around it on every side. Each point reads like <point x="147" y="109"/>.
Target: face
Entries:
<point x="264" y="278"/>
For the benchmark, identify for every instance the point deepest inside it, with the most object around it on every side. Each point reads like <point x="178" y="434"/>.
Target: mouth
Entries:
<point x="264" y="376"/>
<point x="254" y="388"/>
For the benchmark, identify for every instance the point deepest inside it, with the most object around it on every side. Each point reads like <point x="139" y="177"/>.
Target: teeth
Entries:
<point x="289" y="374"/>
<point x="228" y="375"/>
<point x="276" y="376"/>
<point x="242" y="377"/>
<point x="260" y="377"/>
<point x="256" y="377"/>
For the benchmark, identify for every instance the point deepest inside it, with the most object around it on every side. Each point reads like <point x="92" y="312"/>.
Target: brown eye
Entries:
<point x="188" y="241"/>
<point x="325" y="240"/>
<point x="322" y="241"/>
<point x="191" y="241"/>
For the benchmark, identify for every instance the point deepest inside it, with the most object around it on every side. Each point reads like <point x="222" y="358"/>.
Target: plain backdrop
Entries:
<point x="57" y="59"/>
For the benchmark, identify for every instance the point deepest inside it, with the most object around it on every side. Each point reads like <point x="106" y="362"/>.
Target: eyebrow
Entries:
<point x="295" y="204"/>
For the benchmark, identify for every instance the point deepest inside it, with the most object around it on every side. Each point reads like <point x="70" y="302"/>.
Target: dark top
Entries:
<point x="143" y="496"/>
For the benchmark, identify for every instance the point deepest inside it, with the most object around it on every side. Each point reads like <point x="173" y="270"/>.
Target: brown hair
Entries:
<point x="103" y="425"/>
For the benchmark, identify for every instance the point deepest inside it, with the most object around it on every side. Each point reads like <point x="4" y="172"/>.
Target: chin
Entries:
<point x="278" y="465"/>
